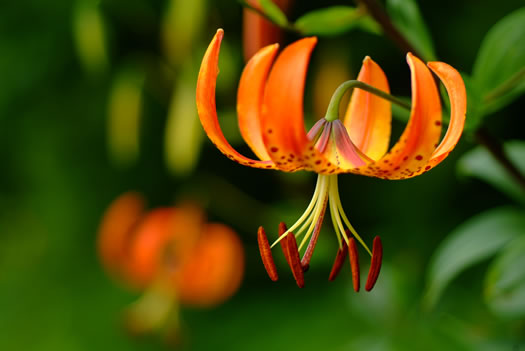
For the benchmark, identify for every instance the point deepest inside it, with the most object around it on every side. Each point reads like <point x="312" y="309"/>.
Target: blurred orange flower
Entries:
<point x="257" y="31"/>
<point x="171" y="254"/>
<point x="270" y="113"/>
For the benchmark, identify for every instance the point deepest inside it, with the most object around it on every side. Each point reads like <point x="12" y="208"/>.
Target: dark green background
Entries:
<point x="56" y="181"/>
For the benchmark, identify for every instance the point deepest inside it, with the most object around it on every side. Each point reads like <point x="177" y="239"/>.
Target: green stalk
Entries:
<point x="332" y="113"/>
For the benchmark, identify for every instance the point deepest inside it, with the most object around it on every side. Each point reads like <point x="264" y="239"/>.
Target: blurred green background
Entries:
<point x="60" y="171"/>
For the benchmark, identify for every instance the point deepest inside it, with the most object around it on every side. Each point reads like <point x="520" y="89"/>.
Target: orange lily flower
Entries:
<point x="171" y="254"/>
<point x="257" y="31"/>
<point x="270" y="115"/>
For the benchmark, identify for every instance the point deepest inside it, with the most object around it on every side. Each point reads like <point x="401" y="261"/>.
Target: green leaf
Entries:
<point x="273" y="12"/>
<point x="500" y="59"/>
<point x="479" y="163"/>
<point x="473" y="241"/>
<point x="505" y="283"/>
<point x="408" y="20"/>
<point x="335" y="20"/>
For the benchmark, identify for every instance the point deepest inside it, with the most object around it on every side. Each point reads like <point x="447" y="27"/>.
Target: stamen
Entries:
<point x="319" y="209"/>
<point x="305" y="262"/>
<point x="284" y="243"/>
<point x="295" y="260"/>
<point x="333" y="208"/>
<point x="338" y="263"/>
<point x="375" y="266"/>
<point x="334" y="194"/>
<point x="266" y="254"/>
<point x="354" y="264"/>
<point x="336" y="229"/>
<point x="313" y="202"/>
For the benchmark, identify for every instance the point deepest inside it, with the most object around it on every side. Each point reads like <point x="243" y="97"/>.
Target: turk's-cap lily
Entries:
<point x="170" y="254"/>
<point x="270" y="115"/>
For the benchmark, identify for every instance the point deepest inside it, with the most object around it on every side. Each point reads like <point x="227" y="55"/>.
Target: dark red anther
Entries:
<point x="266" y="254"/>
<point x="375" y="266"/>
<point x="338" y="263"/>
<point x="295" y="260"/>
<point x="354" y="263"/>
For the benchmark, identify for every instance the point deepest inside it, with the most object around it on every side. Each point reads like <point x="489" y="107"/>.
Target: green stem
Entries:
<point x="496" y="149"/>
<point x="332" y="113"/>
<point x="506" y="86"/>
<point x="376" y="10"/>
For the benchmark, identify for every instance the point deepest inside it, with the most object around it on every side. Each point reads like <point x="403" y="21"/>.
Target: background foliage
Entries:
<point x="440" y="287"/>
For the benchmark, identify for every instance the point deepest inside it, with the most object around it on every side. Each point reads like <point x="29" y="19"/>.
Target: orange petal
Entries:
<point x="413" y="150"/>
<point x="214" y="271"/>
<point x="282" y="111"/>
<point x="458" y="108"/>
<point x="249" y="99"/>
<point x="116" y="229"/>
<point x="257" y="31"/>
<point x="368" y="117"/>
<point x="343" y="153"/>
<point x="147" y="246"/>
<point x="206" y="105"/>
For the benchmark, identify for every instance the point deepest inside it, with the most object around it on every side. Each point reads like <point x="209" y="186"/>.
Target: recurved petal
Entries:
<point x="206" y="105"/>
<point x="368" y="117"/>
<point x="215" y="269"/>
<point x="249" y="98"/>
<point x="282" y="111"/>
<point x="413" y="150"/>
<point x="458" y="108"/>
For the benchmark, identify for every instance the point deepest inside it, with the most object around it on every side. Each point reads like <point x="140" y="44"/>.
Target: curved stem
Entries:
<point x="379" y="14"/>
<point x="506" y="86"/>
<point x="332" y="113"/>
<point x="496" y="149"/>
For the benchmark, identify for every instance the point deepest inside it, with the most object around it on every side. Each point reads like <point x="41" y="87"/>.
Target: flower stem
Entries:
<point x="332" y="113"/>
<point x="379" y="14"/>
<point x="495" y="148"/>
<point x="506" y="86"/>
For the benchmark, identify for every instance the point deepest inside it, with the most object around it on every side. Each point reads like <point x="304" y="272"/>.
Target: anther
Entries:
<point x="375" y="266"/>
<point x="354" y="264"/>
<point x="338" y="263"/>
<point x="266" y="254"/>
<point x="295" y="260"/>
